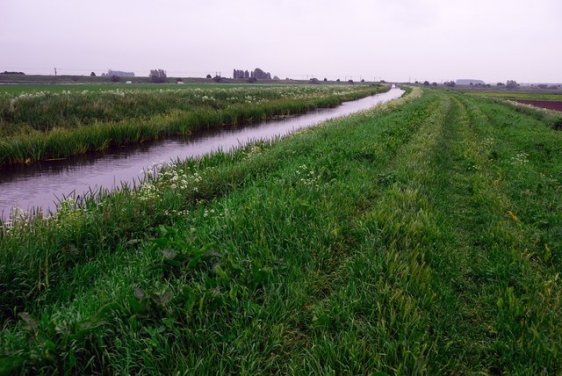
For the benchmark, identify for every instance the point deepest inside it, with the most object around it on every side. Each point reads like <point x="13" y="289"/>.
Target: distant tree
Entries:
<point x="276" y="78"/>
<point x="115" y="78"/>
<point x="434" y="84"/>
<point x="261" y="75"/>
<point x="542" y="86"/>
<point x="92" y="74"/>
<point x="314" y="81"/>
<point x="511" y="84"/>
<point x="217" y="78"/>
<point x="209" y="76"/>
<point x="325" y="79"/>
<point x="252" y="79"/>
<point x="450" y="83"/>
<point x="500" y="84"/>
<point x="158" y="75"/>
<point x="362" y="80"/>
<point x="350" y="81"/>
<point x="238" y="74"/>
<point x="338" y="80"/>
<point x="383" y="82"/>
<point x="426" y="83"/>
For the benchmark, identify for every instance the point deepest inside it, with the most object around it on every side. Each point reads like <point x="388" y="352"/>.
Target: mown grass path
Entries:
<point x="418" y="240"/>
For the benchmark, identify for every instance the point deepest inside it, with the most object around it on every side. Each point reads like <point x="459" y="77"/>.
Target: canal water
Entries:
<point x="40" y="186"/>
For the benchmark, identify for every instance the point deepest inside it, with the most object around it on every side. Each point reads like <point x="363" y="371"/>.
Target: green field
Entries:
<point x="50" y="122"/>
<point x="105" y="86"/>
<point x="515" y="95"/>
<point x="423" y="237"/>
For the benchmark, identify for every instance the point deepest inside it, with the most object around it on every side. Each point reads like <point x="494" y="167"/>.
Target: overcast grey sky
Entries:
<point x="434" y="40"/>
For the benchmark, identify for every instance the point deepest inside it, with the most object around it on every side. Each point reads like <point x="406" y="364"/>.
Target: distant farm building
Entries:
<point x="468" y="82"/>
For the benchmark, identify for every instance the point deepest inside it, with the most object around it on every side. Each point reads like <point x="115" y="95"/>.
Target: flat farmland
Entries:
<point x="549" y="105"/>
<point x="421" y="237"/>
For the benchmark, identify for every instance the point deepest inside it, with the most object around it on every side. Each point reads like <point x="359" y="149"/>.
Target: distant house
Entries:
<point x="114" y="73"/>
<point x="468" y="82"/>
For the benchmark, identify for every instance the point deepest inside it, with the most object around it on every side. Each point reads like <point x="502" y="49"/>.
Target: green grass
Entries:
<point x="420" y="238"/>
<point x="17" y="89"/>
<point x="40" y="125"/>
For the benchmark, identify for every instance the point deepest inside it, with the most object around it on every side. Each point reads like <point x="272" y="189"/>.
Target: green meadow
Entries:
<point x="543" y="95"/>
<point x="420" y="237"/>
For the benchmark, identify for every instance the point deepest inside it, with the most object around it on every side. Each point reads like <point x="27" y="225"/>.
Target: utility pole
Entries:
<point x="55" y="71"/>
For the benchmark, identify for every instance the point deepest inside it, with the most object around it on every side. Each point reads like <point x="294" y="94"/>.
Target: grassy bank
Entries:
<point x="40" y="125"/>
<point x="417" y="239"/>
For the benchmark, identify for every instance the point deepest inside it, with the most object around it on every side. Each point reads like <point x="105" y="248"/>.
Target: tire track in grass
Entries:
<point x="502" y="314"/>
<point x="376" y="319"/>
<point x="454" y="195"/>
<point x="526" y="155"/>
<point x="445" y="285"/>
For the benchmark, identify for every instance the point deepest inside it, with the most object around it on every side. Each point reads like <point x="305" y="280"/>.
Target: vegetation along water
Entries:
<point x="422" y="237"/>
<point x="50" y="123"/>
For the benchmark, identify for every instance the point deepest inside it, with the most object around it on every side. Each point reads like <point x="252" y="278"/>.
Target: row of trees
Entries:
<point x="156" y="75"/>
<point x="258" y="74"/>
<point x="510" y="84"/>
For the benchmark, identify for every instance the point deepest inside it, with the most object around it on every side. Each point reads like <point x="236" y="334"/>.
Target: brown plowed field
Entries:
<point x="551" y="105"/>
